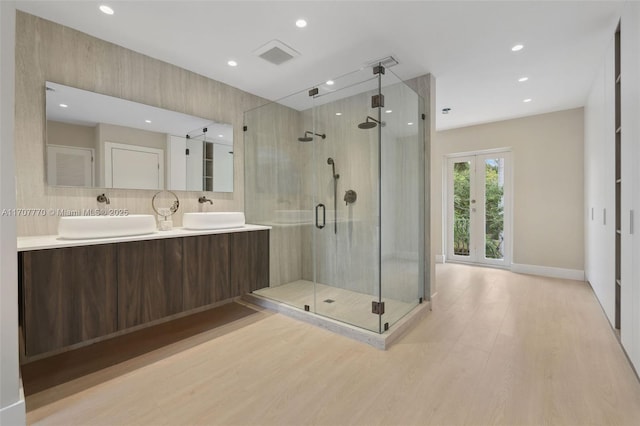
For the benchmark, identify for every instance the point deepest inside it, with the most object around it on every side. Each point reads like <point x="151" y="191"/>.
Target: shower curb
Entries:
<point x="379" y="341"/>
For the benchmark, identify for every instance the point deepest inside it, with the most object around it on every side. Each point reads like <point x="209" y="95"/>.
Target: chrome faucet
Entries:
<point x="102" y="198"/>
<point x="204" y="199"/>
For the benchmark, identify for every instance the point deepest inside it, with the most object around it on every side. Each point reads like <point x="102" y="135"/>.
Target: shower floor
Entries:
<point x="345" y="305"/>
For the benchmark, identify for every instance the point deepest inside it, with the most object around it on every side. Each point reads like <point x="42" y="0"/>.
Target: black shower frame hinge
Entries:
<point x="378" y="69"/>
<point x="424" y="116"/>
<point x="377" y="101"/>
<point x="244" y="128"/>
<point x="377" y="307"/>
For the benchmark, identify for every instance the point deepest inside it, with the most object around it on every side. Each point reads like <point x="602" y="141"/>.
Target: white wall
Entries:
<point x="12" y="409"/>
<point x="600" y="186"/>
<point x="548" y="194"/>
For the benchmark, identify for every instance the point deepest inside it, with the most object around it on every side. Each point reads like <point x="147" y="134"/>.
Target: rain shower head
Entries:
<point x="370" y="123"/>
<point x="307" y="138"/>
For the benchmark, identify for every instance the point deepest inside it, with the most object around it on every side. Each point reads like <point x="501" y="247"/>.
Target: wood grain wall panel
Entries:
<point x="149" y="281"/>
<point x="206" y="270"/>
<point x="49" y="51"/>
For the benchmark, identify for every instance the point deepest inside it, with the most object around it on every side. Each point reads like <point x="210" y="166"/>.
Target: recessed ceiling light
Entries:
<point x="232" y="63"/>
<point x="517" y="47"/>
<point x="388" y="111"/>
<point x="523" y="79"/>
<point x="220" y="136"/>
<point x="409" y="124"/>
<point x="106" y="9"/>
<point x="63" y="105"/>
<point x="338" y="113"/>
<point x="330" y="82"/>
<point x="301" y="23"/>
<point x="527" y="100"/>
<point x="147" y="121"/>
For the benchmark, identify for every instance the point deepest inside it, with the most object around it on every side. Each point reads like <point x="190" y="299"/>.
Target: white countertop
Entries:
<point x="41" y="242"/>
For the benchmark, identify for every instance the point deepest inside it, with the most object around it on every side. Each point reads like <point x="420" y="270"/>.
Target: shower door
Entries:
<point x="346" y="192"/>
<point x="347" y="229"/>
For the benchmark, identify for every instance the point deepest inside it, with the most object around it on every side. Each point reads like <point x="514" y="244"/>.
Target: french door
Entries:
<point x="478" y="208"/>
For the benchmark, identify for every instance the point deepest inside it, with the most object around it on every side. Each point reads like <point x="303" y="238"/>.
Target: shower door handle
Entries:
<point x="324" y="216"/>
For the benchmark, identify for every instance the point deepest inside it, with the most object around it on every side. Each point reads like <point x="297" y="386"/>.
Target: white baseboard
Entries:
<point x="548" y="271"/>
<point x="440" y="258"/>
<point x="14" y="414"/>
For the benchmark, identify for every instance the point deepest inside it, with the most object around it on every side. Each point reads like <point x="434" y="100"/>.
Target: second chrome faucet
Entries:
<point x="204" y="199"/>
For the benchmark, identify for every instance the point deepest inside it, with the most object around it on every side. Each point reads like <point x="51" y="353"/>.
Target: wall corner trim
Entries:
<point x="548" y="271"/>
<point x="440" y="258"/>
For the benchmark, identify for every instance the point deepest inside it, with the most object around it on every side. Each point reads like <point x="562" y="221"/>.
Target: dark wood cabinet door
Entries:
<point x="69" y="295"/>
<point x="149" y="280"/>
<point x="206" y="270"/>
<point x="249" y="261"/>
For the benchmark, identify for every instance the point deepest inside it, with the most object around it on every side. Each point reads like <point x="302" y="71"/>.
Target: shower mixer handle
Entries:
<point x="324" y="216"/>
<point x="350" y="197"/>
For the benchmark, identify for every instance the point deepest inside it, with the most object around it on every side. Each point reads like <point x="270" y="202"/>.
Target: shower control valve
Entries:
<point x="350" y="197"/>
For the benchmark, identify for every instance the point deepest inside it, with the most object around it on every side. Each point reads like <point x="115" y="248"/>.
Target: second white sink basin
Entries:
<point x="85" y="227"/>
<point x="213" y="220"/>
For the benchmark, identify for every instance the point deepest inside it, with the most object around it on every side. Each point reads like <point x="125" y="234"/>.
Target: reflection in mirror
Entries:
<point x="210" y="159"/>
<point x="95" y="140"/>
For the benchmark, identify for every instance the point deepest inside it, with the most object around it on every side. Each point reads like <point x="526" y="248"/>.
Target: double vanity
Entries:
<point x="82" y="285"/>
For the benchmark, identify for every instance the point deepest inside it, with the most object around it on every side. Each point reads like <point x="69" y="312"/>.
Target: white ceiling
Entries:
<point x="465" y="45"/>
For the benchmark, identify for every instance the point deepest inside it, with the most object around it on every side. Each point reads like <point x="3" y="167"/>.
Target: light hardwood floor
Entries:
<point x="498" y="348"/>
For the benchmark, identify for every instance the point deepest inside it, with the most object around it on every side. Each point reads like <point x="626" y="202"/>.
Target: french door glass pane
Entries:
<point x="461" y="205"/>
<point x="494" y="208"/>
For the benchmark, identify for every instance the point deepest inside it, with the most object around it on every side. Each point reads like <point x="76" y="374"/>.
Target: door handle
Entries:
<point x="324" y="216"/>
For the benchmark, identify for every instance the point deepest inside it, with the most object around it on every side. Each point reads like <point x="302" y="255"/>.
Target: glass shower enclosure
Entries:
<point x="338" y="173"/>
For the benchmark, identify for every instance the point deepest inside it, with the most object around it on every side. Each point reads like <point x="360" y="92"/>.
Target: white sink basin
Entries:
<point x="213" y="220"/>
<point x="82" y="227"/>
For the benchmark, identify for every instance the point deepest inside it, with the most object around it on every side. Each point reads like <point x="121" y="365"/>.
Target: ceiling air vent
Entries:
<point x="276" y="52"/>
<point x="387" y="62"/>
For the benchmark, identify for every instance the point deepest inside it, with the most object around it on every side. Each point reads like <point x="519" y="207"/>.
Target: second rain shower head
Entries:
<point x="370" y="123"/>
<point x="307" y="138"/>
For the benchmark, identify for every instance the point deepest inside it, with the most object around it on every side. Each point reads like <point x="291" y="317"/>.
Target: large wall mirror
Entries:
<point x="94" y="140"/>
